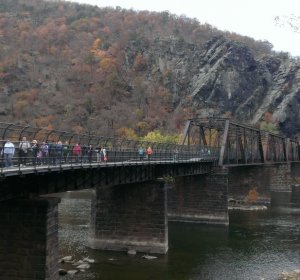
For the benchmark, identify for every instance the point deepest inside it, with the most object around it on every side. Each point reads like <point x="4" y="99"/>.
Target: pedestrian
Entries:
<point x="66" y="151"/>
<point x="84" y="153"/>
<point x="175" y="154"/>
<point x="59" y="152"/>
<point x="52" y="152"/>
<point x="44" y="149"/>
<point x="141" y="153"/>
<point x="149" y="152"/>
<point x="104" y="154"/>
<point x="90" y="153"/>
<point x="98" y="153"/>
<point x="34" y="150"/>
<point x="24" y="148"/>
<point x="8" y="153"/>
<point x="76" y="152"/>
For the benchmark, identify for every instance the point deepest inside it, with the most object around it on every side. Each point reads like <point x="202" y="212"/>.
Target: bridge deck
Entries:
<point x="18" y="170"/>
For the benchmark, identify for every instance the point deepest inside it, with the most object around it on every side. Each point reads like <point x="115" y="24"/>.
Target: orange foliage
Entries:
<point x="252" y="195"/>
<point x="96" y="44"/>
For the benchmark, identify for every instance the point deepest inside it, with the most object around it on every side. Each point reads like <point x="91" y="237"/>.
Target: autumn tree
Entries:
<point x="156" y="136"/>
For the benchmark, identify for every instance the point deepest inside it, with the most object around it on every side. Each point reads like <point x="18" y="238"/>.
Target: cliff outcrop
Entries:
<point x="224" y="78"/>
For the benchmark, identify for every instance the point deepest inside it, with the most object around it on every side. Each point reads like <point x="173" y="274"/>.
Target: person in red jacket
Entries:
<point x="76" y="152"/>
<point x="149" y="152"/>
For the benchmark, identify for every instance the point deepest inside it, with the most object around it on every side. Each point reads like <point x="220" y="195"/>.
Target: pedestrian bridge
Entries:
<point x="135" y="195"/>
<point x="221" y="141"/>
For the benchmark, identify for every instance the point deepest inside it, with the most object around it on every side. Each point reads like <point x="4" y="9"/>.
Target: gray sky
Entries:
<point x="254" y="18"/>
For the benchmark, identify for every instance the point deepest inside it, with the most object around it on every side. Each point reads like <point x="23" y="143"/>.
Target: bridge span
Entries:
<point x="135" y="195"/>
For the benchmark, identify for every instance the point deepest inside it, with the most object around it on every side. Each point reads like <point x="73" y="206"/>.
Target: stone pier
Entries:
<point x="200" y="198"/>
<point x="29" y="239"/>
<point x="246" y="179"/>
<point x="257" y="184"/>
<point x="130" y="217"/>
<point x="280" y="177"/>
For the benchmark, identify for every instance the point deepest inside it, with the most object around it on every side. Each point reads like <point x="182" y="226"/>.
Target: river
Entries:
<point x="256" y="245"/>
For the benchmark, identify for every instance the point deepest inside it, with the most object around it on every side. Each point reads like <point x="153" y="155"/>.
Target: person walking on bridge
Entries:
<point x="149" y="152"/>
<point x="76" y="152"/>
<point x="24" y="148"/>
<point x="175" y="154"/>
<point x="8" y="153"/>
<point x="141" y="153"/>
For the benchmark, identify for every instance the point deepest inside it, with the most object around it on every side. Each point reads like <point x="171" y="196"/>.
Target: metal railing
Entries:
<point x="55" y="149"/>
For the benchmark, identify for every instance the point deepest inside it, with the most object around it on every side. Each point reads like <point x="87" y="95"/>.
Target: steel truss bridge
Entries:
<point x="240" y="144"/>
<point x="218" y="140"/>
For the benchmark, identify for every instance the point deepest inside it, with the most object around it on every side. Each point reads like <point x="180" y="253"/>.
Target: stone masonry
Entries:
<point x="29" y="239"/>
<point x="200" y="199"/>
<point x="130" y="217"/>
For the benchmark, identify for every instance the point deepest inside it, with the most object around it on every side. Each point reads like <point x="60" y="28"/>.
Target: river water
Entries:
<point x="256" y="245"/>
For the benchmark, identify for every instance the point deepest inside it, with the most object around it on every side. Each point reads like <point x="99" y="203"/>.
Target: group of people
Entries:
<point x="53" y="153"/>
<point x="142" y="152"/>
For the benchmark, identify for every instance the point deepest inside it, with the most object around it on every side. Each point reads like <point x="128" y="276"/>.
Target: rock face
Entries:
<point x="236" y="82"/>
<point x="225" y="78"/>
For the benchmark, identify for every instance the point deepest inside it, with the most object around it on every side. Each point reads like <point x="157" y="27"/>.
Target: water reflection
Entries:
<point x="256" y="245"/>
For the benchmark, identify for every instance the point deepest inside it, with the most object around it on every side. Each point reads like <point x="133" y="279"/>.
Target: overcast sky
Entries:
<point x="254" y="18"/>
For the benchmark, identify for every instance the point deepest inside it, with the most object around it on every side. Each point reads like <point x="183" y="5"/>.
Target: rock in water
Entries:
<point x="147" y="257"/>
<point x="131" y="252"/>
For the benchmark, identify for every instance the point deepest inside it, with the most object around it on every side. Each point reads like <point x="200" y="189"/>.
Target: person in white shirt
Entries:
<point x="8" y="153"/>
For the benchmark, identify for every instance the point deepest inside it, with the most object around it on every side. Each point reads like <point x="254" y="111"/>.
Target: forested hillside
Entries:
<point x="111" y="71"/>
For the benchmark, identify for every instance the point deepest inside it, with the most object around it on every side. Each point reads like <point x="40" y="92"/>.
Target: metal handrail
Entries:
<point x="118" y="150"/>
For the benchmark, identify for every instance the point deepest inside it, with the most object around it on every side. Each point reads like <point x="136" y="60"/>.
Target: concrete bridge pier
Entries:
<point x="29" y="239"/>
<point x="200" y="198"/>
<point x="130" y="217"/>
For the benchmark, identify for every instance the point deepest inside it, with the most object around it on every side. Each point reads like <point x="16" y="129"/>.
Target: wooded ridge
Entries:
<point x="120" y="72"/>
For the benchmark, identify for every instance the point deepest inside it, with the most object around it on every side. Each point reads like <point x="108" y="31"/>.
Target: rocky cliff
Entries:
<point x="224" y="78"/>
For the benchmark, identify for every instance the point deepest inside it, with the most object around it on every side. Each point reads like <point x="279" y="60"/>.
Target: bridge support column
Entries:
<point x="280" y="184"/>
<point x="249" y="184"/>
<point x="200" y="198"/>
<point x="29" y="239"/>
<point x="130" y="217"/>
<point x="259" y="184"/>
<point x="280" y="177"/>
